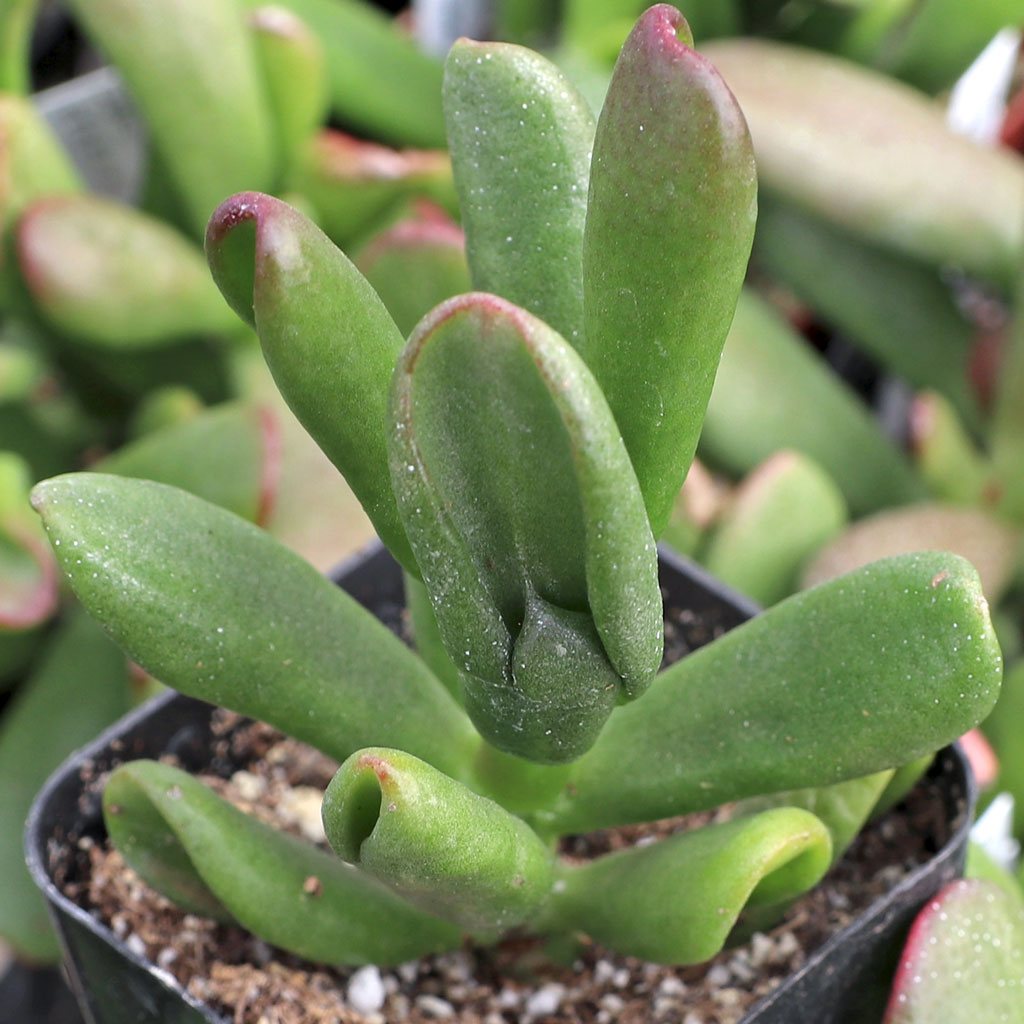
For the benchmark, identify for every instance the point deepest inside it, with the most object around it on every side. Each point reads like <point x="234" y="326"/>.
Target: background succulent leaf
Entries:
<point x="291" y="59"/>
<point x="670" y="221"/>
<point x="874" y="156"/>
<point x="779" y="517"/>
<point x="282" y="274"/>
<point x="990" y="545"/>
<point x="355" y="186"/>
<point x="28" y="578"/>
<point x="720" y="724"/>
<point x="415" y="265"/>
<point x="281" y="888"/>
<point x="299" y="653"/>
<point x="75" y="688"/>
<point x="516" y="492"/>
<point x="773" y="392"/>
<point x="945" y="454"/>
<point x="964" y="959"/>
<point x="520" y="136"/>
<point x="444" y="848"/>
<point x="113" y="276"/>
<point x="191" y="67"/>
<point x="896" y="309"/>
<point x="380" y="81"/>
<point x="675" y="901"/>
<point x="227" y="455"/>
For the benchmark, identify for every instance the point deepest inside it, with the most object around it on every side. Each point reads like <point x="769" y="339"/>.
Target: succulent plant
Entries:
<point x="518" y="454"/>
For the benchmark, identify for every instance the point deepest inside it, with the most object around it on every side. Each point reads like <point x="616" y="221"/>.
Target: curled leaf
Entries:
<point x="675" y="901"/>
<point x="189" y="843"/>
<point x="445" y="849"/>
<point x="517" y="495"/>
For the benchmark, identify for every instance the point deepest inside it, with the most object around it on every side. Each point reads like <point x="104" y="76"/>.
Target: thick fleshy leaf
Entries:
<point x="355" y="185"/>
<point x="964" y="959"/>
<point x="773" y="392"/>
<point x="894" y="308"/>
<point x="990" y="545"/>
<point x="779" y="517"/>
<point x="670" y="221"/>
<point x="280" y="273"/>
<point x="1003" y="730"/>
<point x="76" y="687"/>
<point x="444" y="848"/>
<point x="17" y="18"/>
<point x="228" y="455"/>
<point x="945" y="454"/>
<point x="521" y="136"/>
<point x="184" y="840"/>
<point x="291" y="59"/>
<point x="217" y="609"/>
<point x="380" y="81"/>
<point x="191" y="67"/>
<point x="676" y="900"/>
<point x="114" y="276"/>
<point x="862" y="673"/>
<point x="875" y="156"/>
<point x="842" y="809"/>
<point x="415" y="265"/>
<point x="32" y="161"/>
<point x="28" y="577"/>
<point x="523" y="512"/>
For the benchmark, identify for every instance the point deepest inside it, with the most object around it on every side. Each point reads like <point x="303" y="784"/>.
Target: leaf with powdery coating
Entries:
<point x="524" y="514"/>
<point x="670" y="221"/>
<point x="964" y="959"/>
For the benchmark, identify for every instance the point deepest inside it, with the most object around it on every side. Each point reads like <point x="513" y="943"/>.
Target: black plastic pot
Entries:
<point x="845" y="982"/>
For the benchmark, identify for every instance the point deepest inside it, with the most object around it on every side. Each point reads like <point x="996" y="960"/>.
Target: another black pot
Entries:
<point x="845" y="982"/>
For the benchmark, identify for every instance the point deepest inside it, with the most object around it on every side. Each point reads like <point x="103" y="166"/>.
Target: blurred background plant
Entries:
<point x="870" y="395"/>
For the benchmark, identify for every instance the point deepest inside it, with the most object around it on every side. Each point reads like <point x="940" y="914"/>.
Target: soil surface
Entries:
<point x="515" y="983"/>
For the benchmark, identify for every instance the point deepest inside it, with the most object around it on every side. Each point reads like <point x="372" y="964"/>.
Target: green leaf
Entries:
<point x="354" y="185"/>
<point x="865" y="672"/>
<point x="294" y="71"/>
<point x="520" y="136"/>
<point x="964" y="959"/>
<point x="228" y="455"/>
<point x="76" y="687"/>
<point x="520" y="505"/>
<point x="945" y="454"/>
<point x="415" y="265"/>
<point x="445" y="849"/>
<point x="773" y="392"/>
<point x="32" y="161"/>
<point x="190" y="66"/>
<point x="17" y="18"/>
<point x="989" y="544"/>
<point x="217" y="609"/>
<point x="896" y="309"/>
<point x="28" y="578"/>
<point x="779" y="517"/>
<point x="842" y="809"/>
<point x="676" y="900"/>
<point x="670" y="221"/>
<point x="280" y="273"/>
<point x="177" y="833"/>
<point x="875" y="157"/>
<point x="115" y="277"/>
<point x="380" y="81"/>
